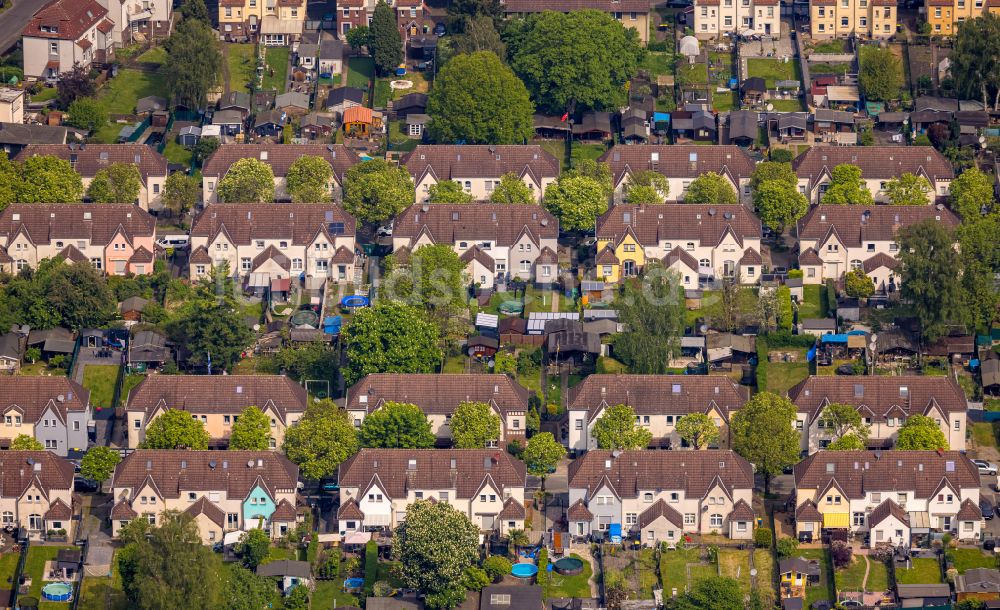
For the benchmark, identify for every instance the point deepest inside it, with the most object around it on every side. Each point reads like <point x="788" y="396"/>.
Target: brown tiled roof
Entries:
<point x="284" y="511"/>
<point x="70" y="19"/>
<point x="180" y="471"/>
<point x="501" y="223"/>
<point x="546" y="255"/>
<point x="271" y="253"/>
<point x="280" y="157"/>
<point x="875" y="161"/>
<point x="807" y="511"/>
<point x="4" y="257"/>
<point x="434" y="470"/>
<point x="879" y="394"/>
<point x="657" y="394"/>
<point x="607" y="256"/>
<point x="342" y="255"/>
<point x="84" y="44"/>
<point x="90" y="159"/>
<point x="123" y="511"/>
<point x="856" y="224"/>
<point x="34" y="394"/>
<point x="72" y="254"/>
<point x="969" y="511"/>
<point x="200" y="256"/>
<point x="217" y="394"/>
<point x="350" y="510"/>
<point x="512" y="509"/>
<point x="299" y="223"/>
<point x="437" y="394"/>
<point x="886" y="509"/>
<point x="19" y="469"/>
<point x="579" y="512"/>
<point x="741" y="512"/>
<point x="633" y="471"/>
<point x="566" y="6"/>
<point x="657" y="510"/>
<point x="478" y="254"/>
<point x="679" y="161"/>
<point x="880" y="260"/>
<point x="652" y="224"/>
<point x="810" y="257"/>
<point x="886" y="471"/>
<point x="449" y="162"/>
<point x="204" y="507"/>
<point x="49" y="222"/>
<point x="141" y="255"/>
<point x="677" y="254"/>
<point x="751" y="257"/>
<point x="105" y="26"/>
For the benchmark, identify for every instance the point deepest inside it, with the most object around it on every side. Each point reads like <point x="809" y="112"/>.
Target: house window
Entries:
<point x="50" y="444"/>
<point x="199" y="269"/>
<point x="716" y="520"/>
<point x="855" y="265"/>
<point x="688" y="518"/>
<point x="297" y="264"/>
<point x="859" y="519"/>
<point x="53" y="48"/>
<point x="245" y="264"/>
<point x="226" y="419"/>
<point x="578" y="424"/>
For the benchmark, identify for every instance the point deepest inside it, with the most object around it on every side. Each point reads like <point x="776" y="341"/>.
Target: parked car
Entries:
<point x="385" y="231"/>
<point x="985" y="467"/>
<point x="83" y="484"/>
<point x="986" y="507"/>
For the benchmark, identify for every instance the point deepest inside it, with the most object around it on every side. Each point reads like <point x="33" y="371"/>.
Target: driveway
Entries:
<point x="14" y="20"/>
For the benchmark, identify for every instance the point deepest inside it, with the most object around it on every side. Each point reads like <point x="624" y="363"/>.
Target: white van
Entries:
<point x="177" y="242"/>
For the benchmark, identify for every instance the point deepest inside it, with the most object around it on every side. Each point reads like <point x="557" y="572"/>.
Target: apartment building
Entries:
<point x="271" y="22"/>
<point x="658" y="401"/>
<point x="137" y="21"/>
<point x="88" y="159"/>
<point x="272" y="241"/>
<point x="55" y="411"/>
<point x="884" y="403"/>
<point x="945" y="16"/>
<point x="843" y="18"/>
<point x="680" y="165"/>
<point x="222" y="490"/>
<point x="378" y="485"/>
<point x="631" y="13"/>
<point x="217" y="402"/>
<point x="66" y="33"/>
<point x="478" y="168"/>
<point x="493" y="239"/>
<point x="878" y="164"/>
<point x="835" y="239"/>
<point x="116" y="238"/>
<point x="696" y="240"/>
<point x="439" y="395"/>
<point x="279" y="157"/>
<point x="892" y="495"/>
<point x="658" y="496"/>
<point x="713" y="18"/>
<point x="36" y="492"/>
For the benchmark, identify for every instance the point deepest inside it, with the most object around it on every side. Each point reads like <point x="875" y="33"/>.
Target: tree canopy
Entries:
<point x="971" y="193"/>
<point x="908" y="189"/>
<point x="576" y="200"/>
<point x="397" y="425"/>
<point x="846" y="187"/>
<point x="46" y="178"/>
<point x="512" y="189"/>
<point x="176" y="429"/>
<point x="251" y="431"/>
<point x="542" y="454"/>
<point x="880" y="73"/>
<point x="99" y="463"/>
<point x="845" y="426"/>
<point x="974" y="59"/>
<point x="389" y="338"/>
<point x="858" y="284"/>
<point x="710" y="187"/>
<point x="434" y="278"/>
<point x="87" y="114"/>
<point x="921" y="432"/>
<point x="476" y="99"/>
<point x="601" y="173"/>
<point x="181" y="192"/>
<point x="646" y="186"/>
<point x="193" y="63"/>
<point x="929" y="265"/>
<point x="779" y="204"/>
<point x="697" y="429"/>
<point x="980" y="260"/>
<point x="384" y="41"/>
<point x="213" y="330"/>
<point x="309" y="179"/>
<point x="322" y="439"/>
<point x="651" y="308"/>
<point x="26" y="442"/>
<point x="617" y="429"/>
<point x="247" y="591"/>
<point x="763" y="433"/>
<point x="448" y="191"/>
<point x="254" y="547"/>
<point x="248" y="180"/>
<point x="117" y="183"/>
<point x="710" y="594"/>
<point x="474" y="425"/>
<point x="376" y="190"/>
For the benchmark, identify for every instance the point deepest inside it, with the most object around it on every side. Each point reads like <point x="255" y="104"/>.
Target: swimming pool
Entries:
<point x="524" y="570"/>
<point x="57" y="591"/>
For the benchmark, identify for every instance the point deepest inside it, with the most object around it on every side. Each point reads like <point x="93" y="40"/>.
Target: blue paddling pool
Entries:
<point x="354" y="583"/>
<point x="58" y="591"/>
<point x="354" y="300"/>
<point x="524" y="570"/>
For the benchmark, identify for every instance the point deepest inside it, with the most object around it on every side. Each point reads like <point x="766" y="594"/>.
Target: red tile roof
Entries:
<point x="856" y="224"/>
<point x="280" y="157"/>
<point x="512" y="509"/>
<point x="19" y="469"/>
<point x="496" y="222"/>
<point x="657" y="394"/>
<point x="678" y="161"/>
<point x="45" y="223"/>
<point x="579" y="512"/>
<point x="299" y="223"/>
<point x="880" y="260"/>
<point x="89" y="159"/>
<point x="123" y="511"/>
<point x="448" y="162"/>
<point x="875" y="161"/>
<point x="914" y="394"/>
<point x="741" y="512"/>
<point x="652" y="224"/>
<point x="437" y="394"/>
<point x="66" y="19"/>
<point x="34" y="394"/>
<point x="887" y="509"/>
<point x="566" y="6"/>
<point x="350" y="510"/>
<point x="969" y="511"/>
<point x="657" y="510"/>
<point x="217" y="394"/>
<point x="807" y="511"/>
<point x="204" y="507"/>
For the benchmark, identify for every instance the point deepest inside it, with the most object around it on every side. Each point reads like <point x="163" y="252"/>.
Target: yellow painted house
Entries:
<point x="627" y="260"/>
<point x="272" y="22"/>
<point x="944" y="16"/>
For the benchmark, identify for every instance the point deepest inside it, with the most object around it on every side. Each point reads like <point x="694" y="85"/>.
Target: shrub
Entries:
<point x="475" y="578"/>
<point x="330" y="569"/>
<point x="841" y="553"/>
<point x="762" y="369"/>
<point x="371" y="565"/>
<point x="658" y="46"/>
<point x="781" y="155"/>
<point x="762" y="537"/>
<point x="795" y="273"/>
<point x="496" y="567"/>
<point x="787" y="546"/>
<point x="543" y="562"/>
<point x="831" y="299"/>
<point x="882" y="552"/>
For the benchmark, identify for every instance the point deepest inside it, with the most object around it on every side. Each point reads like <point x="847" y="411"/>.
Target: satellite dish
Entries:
<point x="256" y="327"/>
<point x="703" y="328"/>
<point x="770" y="107"/>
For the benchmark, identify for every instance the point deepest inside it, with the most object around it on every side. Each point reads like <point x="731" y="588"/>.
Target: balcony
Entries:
<point x="137" y="13"/>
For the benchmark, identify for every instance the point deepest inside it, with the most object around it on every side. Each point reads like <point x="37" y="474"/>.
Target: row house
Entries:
<point x="274" y="241"/>
<point x="116" y="238"/>
<point x="945" y="16"/>
<point x="279" y="157"/>
<point x="271" y="22"/>
<point x="680" y="165"/>
<point x="36" y="492"/>
<point x="658" y="401"/>
<point x="630" y="13"/>
<point x="658" y="496"/>
<point x="439" y="395"/>
<point x="879" y="164"/>
<point x="64" y="34"/>
<point x="844" y="18"/>
<point x="222" y="491"/>
<point x="835" y="239"/>
<point x="137" y="21"/>
<point x="714" y="18"/>
<point x="88" y="159"/>
<point x="378" y="485"/>
<point x="696" y="240"/>
<point x="217" y="402"/>
<point x="479" y="168"/>
<point x="884" y="403"/>
<point x="55" y="411"/>
<point x="495" y="240"/>
<point x="892" y="495"/>
<point x="411" y="16"/>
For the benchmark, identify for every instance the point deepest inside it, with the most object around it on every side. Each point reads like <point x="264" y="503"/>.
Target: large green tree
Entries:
<point x="389" y="338"/>
<point x="770" y="171"/>
<point x="478" y="100"/>
<point x="176" y="429"/>
<point x="248" y="180"/>
<point x="576" y="200"/>
<point x="763" y="432"/>
<point x="980" y="259"/>
<point x="698" y="430"/>
<point x="512" y="190"/>
<point x="580" y="59"/>
<point x="193" y="64"/>
<point x="99" y="463"/>
<point x="651" y="308"/>
<point x="376" y="190"/>
<point x="87" y="114"/>
<point x="195" y="9"/>
<point x="212" y="330"/>
<point x="462" y="12"/>
<point x="9" y="177"/>
<point x="448" y="191"/>
<point x="247" y="591"/>
<point x="601" y="173"/>
<point x="880" y="73"/>
<point x="48" y="179"/>
<point x="181" y="192"/>
<point x="845" y="426"/>
<point x="384" y="40"/>
<point x="857" y="284"/>
<point x="474" y="425"/>
<point x="930" y="265"/>
<point x="322" y="439"/>
<point x="646" y="187"/>
<point x="251" y="431"/>
<point x="779" y="204"/>
<point x="710" y="187"/>
<point x="433" y="279"/>
<point x="117" y="183"/>
<point x="434" y="546"/>
<point x="542" y="454"/>
<point x="478" y="34"/>
<point x="397" y="425"/>
<point x="78" y="294"/>
<point x="253" y="547"/>
<point x="616" y="429"/>
<point x="972" y="193"/>
<point x="309" y="179"/>
<point x="846" y="187"/>
<point x="26" y="442"/>
<point x="975" y="57"/>
<point x="908" y="189"/>
<point x="921" y="432"/>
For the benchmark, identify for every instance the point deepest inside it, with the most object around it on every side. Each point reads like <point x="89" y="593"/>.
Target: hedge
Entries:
<point x="371" y="566"/>
<point x="831" y="299"/>
<point x="761" y="364"/>
<point x="543" y="562"/>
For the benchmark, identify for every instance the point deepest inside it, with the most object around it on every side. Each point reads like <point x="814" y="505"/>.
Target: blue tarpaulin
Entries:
<point x="615" y="533"/>
<point x="811" y="354"/>
<point x="834" y="338"/>
<point x="332" y="324"/>
<point x="661" y="117"/>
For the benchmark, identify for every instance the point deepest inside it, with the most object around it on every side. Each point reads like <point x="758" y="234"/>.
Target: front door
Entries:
<point x="629" y="268"/>
<point x="831" y="271"/>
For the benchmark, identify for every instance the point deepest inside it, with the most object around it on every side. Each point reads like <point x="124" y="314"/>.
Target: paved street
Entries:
<point x="14" y="19"/>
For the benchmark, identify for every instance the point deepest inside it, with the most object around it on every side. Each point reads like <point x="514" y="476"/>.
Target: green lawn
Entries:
<point x="824" y="590"/>
<point x="924" y="572"/>
<point x="541" y="300"/>
<point x="104" y="592"/>
<point x="242" y="65"/>
<point x="556" y="585"/>
<point x="852" y="577"/>
<point x="724" y="102"/>
<point x="48" y="93"/>
<point x="398" y="140"/>
<point x="794" y="105"/>
<point x="982" y="433"/>
<point x="8" y="564"/>
<point x="830" y="47"/>
<point x="657" y="63"/>
<point x="781" y="376"/>
<point x="131" y="380"/>
<point x="175" y="153"/>
<point x="383" y="92"/>
<point x="812" y="304"/>
<point x="824" y="68"/>
<point x="674" y="568"/>
<point x="277" y="60"/>
<point x="329" y="594"/>
<point x="966" y="559"/>
<point x="100" y="380"/>
<point x="34" y="567"/>
<point x="586" y="151"/>
<point x="454" y="364"/>
<point x="360" y="71"/>
<point x="773" y="70"/>
<point x="156" y="55"/>
<point x="692" y="73"/>
<point x="120" y="93"/>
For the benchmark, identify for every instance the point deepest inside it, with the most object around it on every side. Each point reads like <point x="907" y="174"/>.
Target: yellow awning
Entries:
<point x="836" y="520"/>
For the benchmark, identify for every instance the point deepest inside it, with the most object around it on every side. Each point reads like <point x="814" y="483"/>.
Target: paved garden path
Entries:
<point x="868" y="567"/>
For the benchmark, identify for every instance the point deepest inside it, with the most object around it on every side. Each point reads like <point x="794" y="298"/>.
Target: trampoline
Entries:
<point x="57" y="591"/>
<point x="304" y="317"/>
<point x="354" y="300"/>
<point x="524" y="570"/>
<point x="511" y="307"/>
